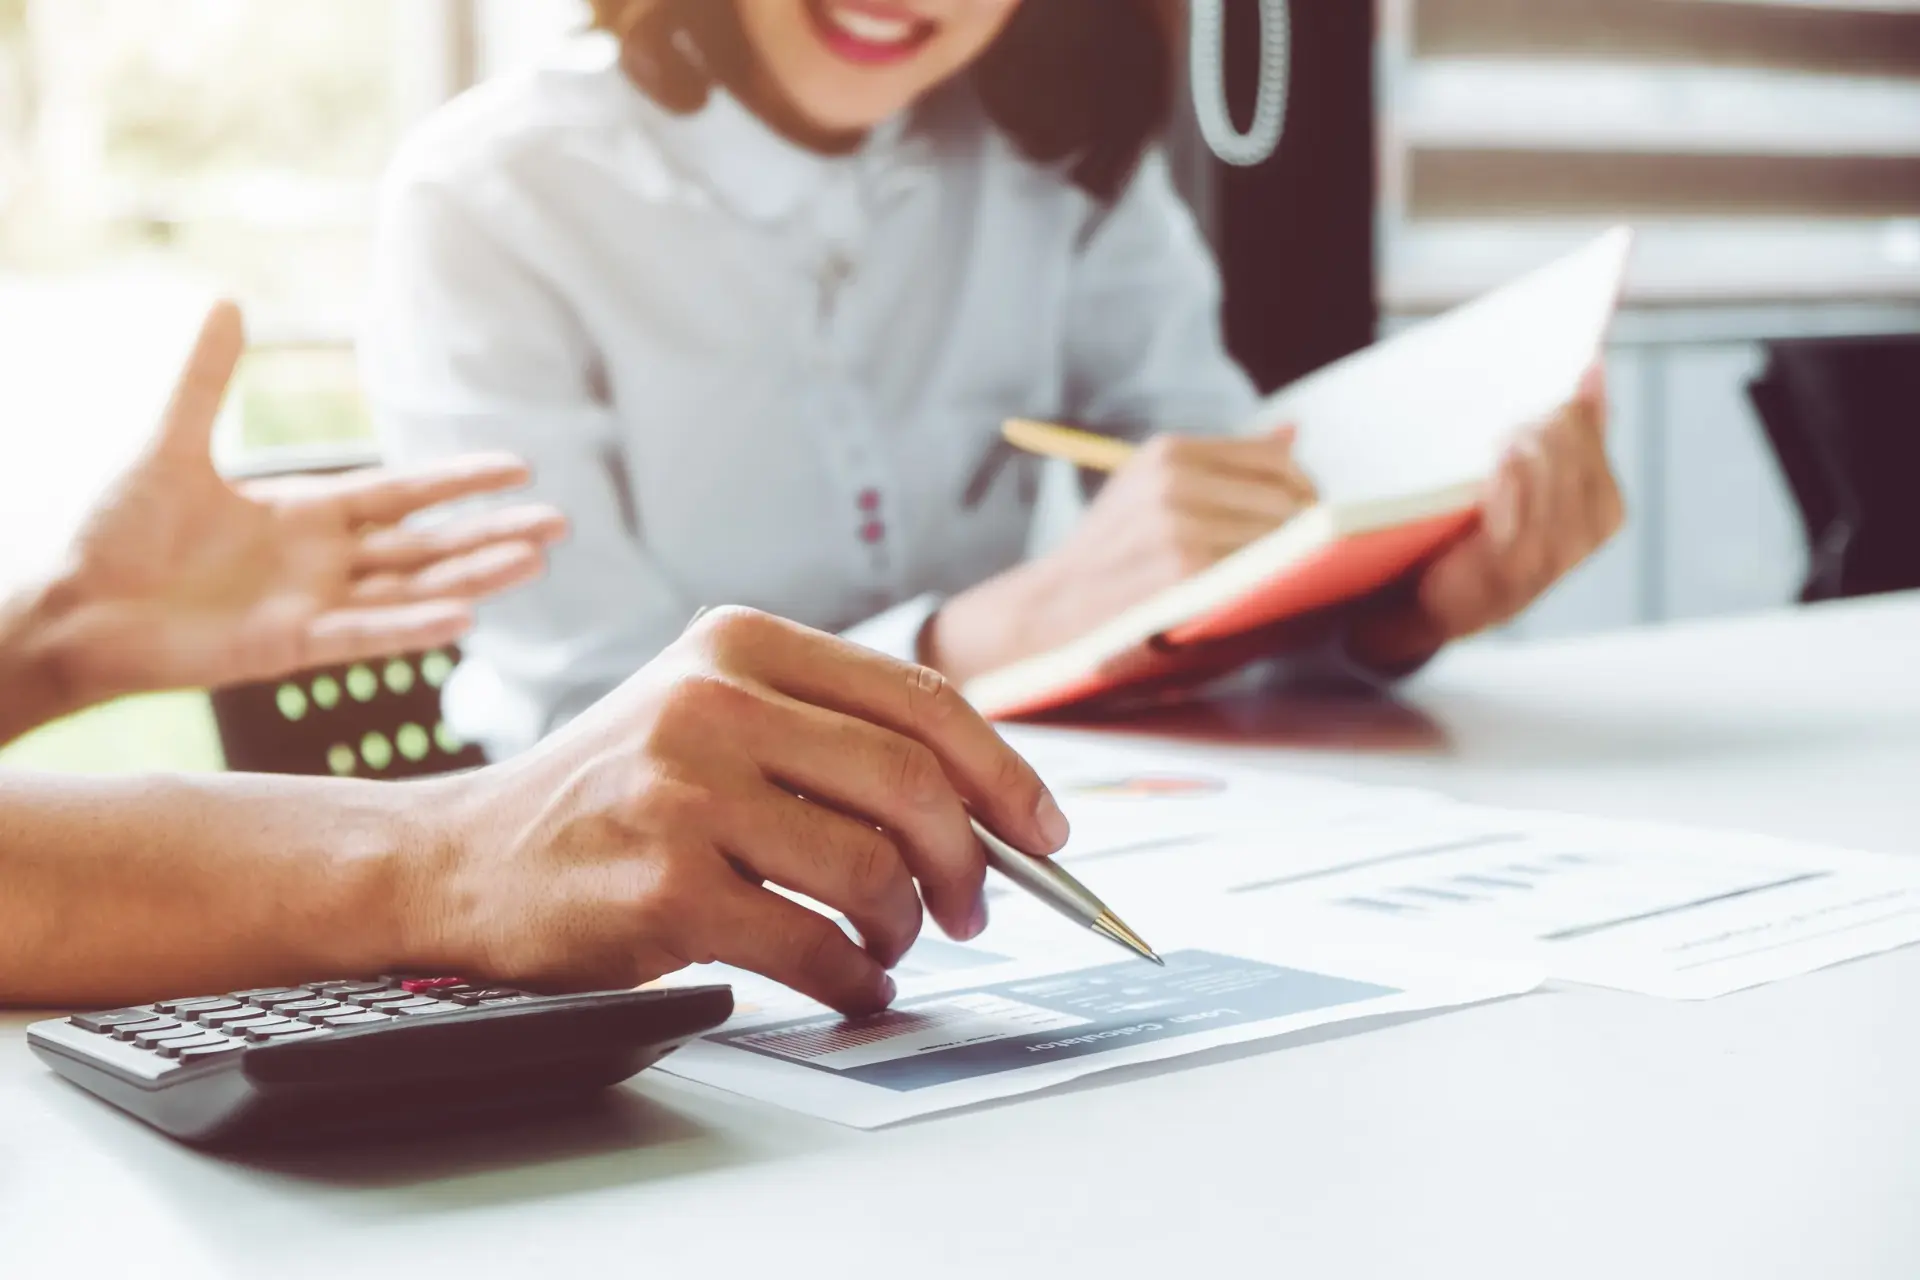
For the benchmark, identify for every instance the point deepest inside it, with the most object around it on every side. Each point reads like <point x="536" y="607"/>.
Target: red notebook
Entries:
<point x="1400" y="439"/>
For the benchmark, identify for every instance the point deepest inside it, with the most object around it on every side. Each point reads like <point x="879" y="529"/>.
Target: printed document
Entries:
<point x="1285" y="902"/>
<point x="1678" y="912"/>
<point x="1037" y="1002"/>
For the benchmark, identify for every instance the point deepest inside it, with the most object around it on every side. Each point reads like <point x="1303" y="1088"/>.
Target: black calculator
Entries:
<point x="327" y="1059"/>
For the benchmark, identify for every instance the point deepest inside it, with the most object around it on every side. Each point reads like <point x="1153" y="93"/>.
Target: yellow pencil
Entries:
<point x="1081" y="448"/>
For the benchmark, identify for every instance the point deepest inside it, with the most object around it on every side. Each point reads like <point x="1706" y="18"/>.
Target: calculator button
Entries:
<point x="426" y="1007"/>
<point x="179" y="1048"/>
<point x="264" y="1020"/>
<point x="283" y="1031"/>
<point x="149" y="1039"/>
<point x="341" y="989"/>
<point x="380" y="999"/>
<point x="198" y="1004"/>
<point x="103" y="1023"/>
<point x="232" y="1017"/>
<point x="194" y="1010"/>
<point x="357" y="1018"/>
<point x="282" y="1001"/>
<point x="198" y="1053"/>
<point x="431" y="986"/>
<point x="245" y="1025"/>
<point x="127" y="1030"/>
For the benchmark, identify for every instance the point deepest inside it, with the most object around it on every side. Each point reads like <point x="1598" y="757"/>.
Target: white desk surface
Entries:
<point x="1570" y="1133"/>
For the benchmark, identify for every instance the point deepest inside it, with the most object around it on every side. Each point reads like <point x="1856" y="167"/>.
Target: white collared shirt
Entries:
<point x="752" y="374"/>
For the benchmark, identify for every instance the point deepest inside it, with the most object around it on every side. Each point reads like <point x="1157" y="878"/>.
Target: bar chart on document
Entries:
<point x="1679" y="912"/>
<point x="1552" y="889"/>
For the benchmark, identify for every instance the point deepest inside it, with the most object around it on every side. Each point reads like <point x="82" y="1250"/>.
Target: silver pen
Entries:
<point x="1048" y="881"/>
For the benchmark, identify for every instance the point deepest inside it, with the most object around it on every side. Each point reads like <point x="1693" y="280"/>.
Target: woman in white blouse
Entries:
<point x="753" y="283"/>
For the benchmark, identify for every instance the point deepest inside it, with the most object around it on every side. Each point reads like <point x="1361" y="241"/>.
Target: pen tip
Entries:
<point x="1110" y="927"/>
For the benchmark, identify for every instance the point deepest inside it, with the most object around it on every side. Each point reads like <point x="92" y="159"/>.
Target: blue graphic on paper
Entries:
<point x="982" y="1031"/>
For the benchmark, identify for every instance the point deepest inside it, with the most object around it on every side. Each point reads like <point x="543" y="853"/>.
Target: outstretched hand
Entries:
<point x="179" y="579"/>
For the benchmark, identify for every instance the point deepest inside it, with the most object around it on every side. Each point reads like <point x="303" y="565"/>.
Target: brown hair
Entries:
<point x="1083" y="83"/>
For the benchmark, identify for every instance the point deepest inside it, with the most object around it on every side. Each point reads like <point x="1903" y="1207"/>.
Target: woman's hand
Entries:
<point x="1180" y="506"/>
<point x="1553" y="503"/>
<point x="635" y="842"/>
<point x="179" y="579"/>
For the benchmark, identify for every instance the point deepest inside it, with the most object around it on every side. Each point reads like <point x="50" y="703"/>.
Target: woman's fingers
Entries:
<point x="1570" y="520"/>
<point x="914" y="702"/>
<point x="1529" y="561"/>
<point x="186" y="428"/>
<point x="1466" y="589"/>
<point x="1231" y="495"/>
<point x="1598" y="499"/>
<point x="1265" y="460"/>
<point x="403" y="548"/>
<point x="1216" y="496"/>
<point x="1594" y="397"/>
<point x="382" y="496"/>
<point x="1268" y="458"/>
<point x="360" y="635"/>
<point x="1500" y="515"/>
<point x="1575" y="501"/>
<point x="476" y="575"/>
<point x="833" y="859"/>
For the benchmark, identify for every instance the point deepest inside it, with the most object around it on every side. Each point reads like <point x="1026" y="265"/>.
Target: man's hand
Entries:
<point x="179" y="579"/>
<point x="1553" y="503"/>
<point x="635" y="842"/>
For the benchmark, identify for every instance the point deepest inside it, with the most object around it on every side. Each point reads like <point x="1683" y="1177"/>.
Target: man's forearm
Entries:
<point x="128" y="889"/>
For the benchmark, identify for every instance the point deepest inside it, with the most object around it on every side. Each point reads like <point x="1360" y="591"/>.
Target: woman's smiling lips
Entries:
<point x="868" y="33"/>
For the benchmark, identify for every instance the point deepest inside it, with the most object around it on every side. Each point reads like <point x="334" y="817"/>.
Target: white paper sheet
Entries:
<point x="1127" y="798"/>
<point x="1678" y="912"/>
<point x="1668" y="911"/>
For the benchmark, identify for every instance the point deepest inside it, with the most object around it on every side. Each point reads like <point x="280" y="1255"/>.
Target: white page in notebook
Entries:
<point x="1436" y="405"/>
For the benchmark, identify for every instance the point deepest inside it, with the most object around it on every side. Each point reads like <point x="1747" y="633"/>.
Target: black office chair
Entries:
<point x="370" y="719"/>
<point x="1843" y="416"/>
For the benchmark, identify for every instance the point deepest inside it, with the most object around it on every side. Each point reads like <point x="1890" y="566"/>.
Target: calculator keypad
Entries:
<point x="190" y="1030"/>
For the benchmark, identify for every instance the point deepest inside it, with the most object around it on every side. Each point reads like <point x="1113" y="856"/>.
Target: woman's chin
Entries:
<point x="842" y="114"/>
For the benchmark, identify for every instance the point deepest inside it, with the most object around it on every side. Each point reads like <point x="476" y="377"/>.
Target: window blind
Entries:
<point x="1769" y="151"/>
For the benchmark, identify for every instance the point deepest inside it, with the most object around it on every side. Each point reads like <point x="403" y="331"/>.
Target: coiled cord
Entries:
<point x="1208" y="71"/>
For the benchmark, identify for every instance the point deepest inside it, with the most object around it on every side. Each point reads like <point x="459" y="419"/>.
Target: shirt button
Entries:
<point x="869" y="500"/>
<point x="872" y="531"/>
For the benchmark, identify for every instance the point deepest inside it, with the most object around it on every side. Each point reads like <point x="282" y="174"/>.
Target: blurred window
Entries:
<point x="156" y="153"/>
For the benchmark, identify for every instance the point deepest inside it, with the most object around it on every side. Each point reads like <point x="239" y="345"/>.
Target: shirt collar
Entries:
<point x="753" y="171"/>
